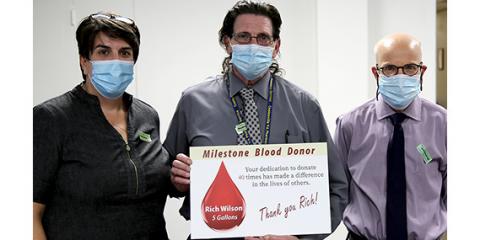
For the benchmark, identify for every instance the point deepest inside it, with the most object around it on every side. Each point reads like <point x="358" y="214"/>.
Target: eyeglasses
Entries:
<point x="245" y="37"/>
<point x="408" y="69"/>
<point x="126" y="20"/>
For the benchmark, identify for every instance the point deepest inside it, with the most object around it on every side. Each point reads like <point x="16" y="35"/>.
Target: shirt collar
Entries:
<point x="92" y="99"/>
<point x="260" y="87"/>
<point x="414" y="110"/>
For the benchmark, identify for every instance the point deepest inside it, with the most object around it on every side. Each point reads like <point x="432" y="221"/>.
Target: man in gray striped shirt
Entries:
<point x="210" y="113"/>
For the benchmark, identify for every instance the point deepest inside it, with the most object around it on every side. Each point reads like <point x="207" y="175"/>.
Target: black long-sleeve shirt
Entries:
<point x="93" y="183"/>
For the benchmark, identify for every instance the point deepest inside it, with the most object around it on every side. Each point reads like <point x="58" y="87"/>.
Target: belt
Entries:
<point x="353" y="236"/>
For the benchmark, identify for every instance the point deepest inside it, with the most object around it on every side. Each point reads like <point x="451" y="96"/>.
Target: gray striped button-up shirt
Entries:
<point x="205" y="117"/>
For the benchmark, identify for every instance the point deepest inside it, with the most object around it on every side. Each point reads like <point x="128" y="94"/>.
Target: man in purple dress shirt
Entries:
<point x="364" y="135"/>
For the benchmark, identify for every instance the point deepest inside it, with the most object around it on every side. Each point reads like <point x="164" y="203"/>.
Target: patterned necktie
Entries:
<point x="396" y="182"/>
<point x="250" y="113"/>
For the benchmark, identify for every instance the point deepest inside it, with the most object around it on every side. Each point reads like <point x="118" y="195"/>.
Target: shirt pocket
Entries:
<point x="285" y="137"/>
<point x="424" y="166"/>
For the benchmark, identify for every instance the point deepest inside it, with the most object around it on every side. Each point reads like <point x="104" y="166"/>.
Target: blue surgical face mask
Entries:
<point x="112" y="77"/>
<point x="251" y="60"/>
<point x="399" y="90"/>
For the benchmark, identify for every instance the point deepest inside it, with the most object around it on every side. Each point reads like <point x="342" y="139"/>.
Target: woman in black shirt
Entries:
<point x="99" y="169"/>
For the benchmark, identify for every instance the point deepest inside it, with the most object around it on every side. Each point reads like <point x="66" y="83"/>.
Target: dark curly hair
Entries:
<point x="245" y="7"/>
<point x="114" y="26"/>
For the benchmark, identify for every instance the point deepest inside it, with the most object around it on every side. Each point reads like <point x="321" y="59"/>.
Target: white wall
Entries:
<point x="342" y="55"/>
<point x="180" y="47"/>
<point x="326" y="49"/>
<point x="412" y="16"/>
<point x="55" y="55"/>
<point x="347" y="33"/>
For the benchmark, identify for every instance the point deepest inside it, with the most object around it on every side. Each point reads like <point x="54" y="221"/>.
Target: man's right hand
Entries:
<point x="180" y="173"/>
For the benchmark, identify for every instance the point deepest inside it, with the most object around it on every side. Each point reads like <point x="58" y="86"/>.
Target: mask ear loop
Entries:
<point x="421" y="82"/>
<point x="378" y="91"/>
<point x="421" y="76"/>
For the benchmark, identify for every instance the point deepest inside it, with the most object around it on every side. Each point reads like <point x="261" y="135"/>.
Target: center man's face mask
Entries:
<point x="251" y="60"/>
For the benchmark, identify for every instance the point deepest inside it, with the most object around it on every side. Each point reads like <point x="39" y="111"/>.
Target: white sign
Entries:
<point x="255" y="190"/>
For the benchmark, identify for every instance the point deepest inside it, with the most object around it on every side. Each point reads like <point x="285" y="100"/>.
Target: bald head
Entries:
<point x="398" y="49"/>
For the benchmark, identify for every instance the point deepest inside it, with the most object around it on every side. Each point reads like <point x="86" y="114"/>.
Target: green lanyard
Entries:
<point x="242" y="126"/>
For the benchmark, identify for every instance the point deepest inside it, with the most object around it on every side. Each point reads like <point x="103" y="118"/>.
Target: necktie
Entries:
<point x="250" y="113"/>
<point x="396" y="182"/>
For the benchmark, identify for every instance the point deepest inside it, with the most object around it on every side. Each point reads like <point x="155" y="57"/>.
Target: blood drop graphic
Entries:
<point x="223" y="206"/>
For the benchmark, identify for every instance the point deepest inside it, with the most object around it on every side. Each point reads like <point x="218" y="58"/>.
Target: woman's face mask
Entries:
<point x="111" y="77"/>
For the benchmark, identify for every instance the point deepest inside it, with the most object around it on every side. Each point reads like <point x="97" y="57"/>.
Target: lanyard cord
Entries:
<point x="268" y="119"/>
